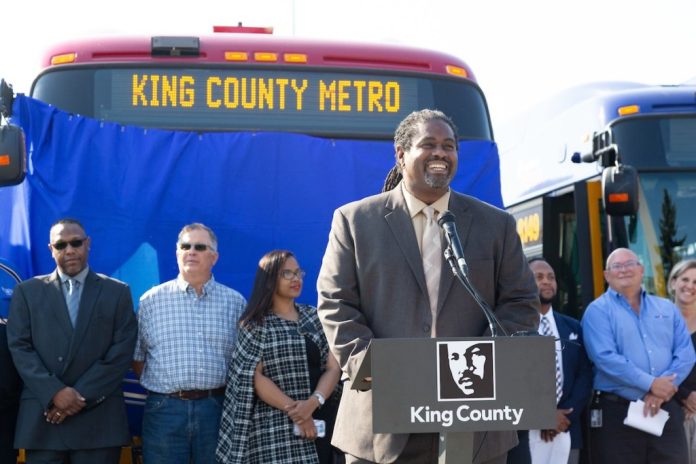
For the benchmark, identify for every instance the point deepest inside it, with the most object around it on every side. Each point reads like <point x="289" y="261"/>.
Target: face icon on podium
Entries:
<point x="466" y="366"/>
<point x="469" y="366"/>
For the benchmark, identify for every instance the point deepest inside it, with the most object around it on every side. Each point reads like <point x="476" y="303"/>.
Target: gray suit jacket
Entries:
<point x="372" y="285"/>
<point x="93" y="358"/>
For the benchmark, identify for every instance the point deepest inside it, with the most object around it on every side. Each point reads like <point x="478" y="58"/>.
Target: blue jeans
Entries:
<point x="180" y="431"/>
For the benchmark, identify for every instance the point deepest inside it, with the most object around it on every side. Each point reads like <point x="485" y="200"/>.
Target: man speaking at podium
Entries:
<point x="384" y="276"/>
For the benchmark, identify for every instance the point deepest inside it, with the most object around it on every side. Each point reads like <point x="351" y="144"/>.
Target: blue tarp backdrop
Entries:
<point x="134" y="189"/>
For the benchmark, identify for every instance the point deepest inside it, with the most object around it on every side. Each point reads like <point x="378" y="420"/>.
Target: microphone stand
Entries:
<point x="460" y="272"/>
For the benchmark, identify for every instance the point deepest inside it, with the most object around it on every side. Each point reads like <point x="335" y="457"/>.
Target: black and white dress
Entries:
<point x="251" y="431"/>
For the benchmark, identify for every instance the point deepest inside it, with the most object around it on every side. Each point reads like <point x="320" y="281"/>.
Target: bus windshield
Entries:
<point x="361" y="104"/>
<point x="657" y="141"/>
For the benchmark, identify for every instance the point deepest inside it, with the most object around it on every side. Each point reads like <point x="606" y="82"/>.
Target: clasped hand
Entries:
<point x="562" y="424"/>
<point x="300" y="412"/>
<point x="661" y="390"/>
<point x="67" y="402"/>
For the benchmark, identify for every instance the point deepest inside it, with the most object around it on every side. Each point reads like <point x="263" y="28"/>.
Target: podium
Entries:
<point x="458" y="386"/>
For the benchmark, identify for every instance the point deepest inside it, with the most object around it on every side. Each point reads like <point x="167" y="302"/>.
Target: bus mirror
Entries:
<point x="603" y="149"/>
<point x="620" y="190"/>
<point x="6" y="99"/>
<point x="13" y="155"/>
<point x="607" y="155"/>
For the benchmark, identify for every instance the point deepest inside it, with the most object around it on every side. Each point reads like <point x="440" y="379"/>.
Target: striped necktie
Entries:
<point x="432" y="262"/>
<point x="546" y="331"/>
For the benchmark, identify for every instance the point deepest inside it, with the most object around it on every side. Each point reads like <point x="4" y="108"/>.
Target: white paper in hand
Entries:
<point x="651" y="424"/>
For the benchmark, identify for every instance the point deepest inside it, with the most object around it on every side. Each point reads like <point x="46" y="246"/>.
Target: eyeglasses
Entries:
<point x="287" y="274"/>
<point x="626" y="265"/>
<point x="196" y="246"/>
<point x="77" y="243"/>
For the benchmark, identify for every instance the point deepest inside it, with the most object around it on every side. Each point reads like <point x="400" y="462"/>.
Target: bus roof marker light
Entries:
<point x="628" y="109"/>
<point x="456" y="71"/>
<point x="242" y="29"/>
<point x="266" y="56"/>
<point x="63" y="58"/>
<point x="236" y="56"/>
<point x="295" y="58"/>
<point x="175" y="46"/>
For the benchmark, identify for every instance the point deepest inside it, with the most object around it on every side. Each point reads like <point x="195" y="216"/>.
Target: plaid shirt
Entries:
<point x="186" y="340"/>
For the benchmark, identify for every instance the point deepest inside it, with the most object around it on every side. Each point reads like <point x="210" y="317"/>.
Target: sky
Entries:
<point x="521" y="52"/>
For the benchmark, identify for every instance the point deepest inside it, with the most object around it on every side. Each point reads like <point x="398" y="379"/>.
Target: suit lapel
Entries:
<point x="463" y="220"/>
<point x="561" y="326"/>
<point x="563" y="334"/>
<point x="57" y="305"/>
<point x="399" y="221"/>
<point x="88" y="300"/>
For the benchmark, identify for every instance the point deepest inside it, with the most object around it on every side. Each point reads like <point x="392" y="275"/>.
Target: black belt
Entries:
<point x="193" y="394"/>
<point x="612" y="397"/>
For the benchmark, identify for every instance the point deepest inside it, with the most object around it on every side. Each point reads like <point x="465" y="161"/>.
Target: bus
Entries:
<point x="602" y="166"/>
<point x="259" y="137"/>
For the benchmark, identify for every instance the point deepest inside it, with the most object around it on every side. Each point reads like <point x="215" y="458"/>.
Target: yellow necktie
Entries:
<point x="432" y="261"/>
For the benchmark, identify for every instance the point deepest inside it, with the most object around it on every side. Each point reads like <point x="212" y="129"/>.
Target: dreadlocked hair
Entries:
<point x="393" y="179"/>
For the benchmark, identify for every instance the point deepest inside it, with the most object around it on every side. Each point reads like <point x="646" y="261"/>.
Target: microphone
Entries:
<point x="454" y="255"/>
<point x="446" y="221"/>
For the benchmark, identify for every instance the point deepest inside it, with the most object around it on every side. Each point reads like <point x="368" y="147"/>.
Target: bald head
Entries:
<point x="624" y="272"/>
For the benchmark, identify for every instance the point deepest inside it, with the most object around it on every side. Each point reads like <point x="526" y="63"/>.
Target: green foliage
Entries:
<point x="668" y="231"/>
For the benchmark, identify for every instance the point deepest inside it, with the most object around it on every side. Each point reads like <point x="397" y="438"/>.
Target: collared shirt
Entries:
<point x="554" y="331"/>
<point x="415" y="207"/>
<point x="630" y="350"/>
<point x="80" y="277"/>
<point x="187" y="340"/>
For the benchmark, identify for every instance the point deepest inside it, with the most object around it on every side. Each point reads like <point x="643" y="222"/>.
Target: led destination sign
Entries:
<point x="259" y="99"/>
<point x="307" y="100"/>
<point x="259" y="93"/>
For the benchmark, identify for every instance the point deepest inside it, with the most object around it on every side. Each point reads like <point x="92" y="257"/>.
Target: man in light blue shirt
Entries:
<point x="641" y="349"/>
<point x="186" y="333"/>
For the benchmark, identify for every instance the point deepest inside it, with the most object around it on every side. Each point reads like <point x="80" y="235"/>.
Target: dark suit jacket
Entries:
<point x="93" y="358"/>
<point x="577" y="374"/>
<point x="372" y="285"/>
<point x="10" y="387"/>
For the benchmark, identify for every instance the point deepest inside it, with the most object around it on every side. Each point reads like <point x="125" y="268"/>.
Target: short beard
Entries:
<point x="546" y="301"/>
<point x="437" y="182"/>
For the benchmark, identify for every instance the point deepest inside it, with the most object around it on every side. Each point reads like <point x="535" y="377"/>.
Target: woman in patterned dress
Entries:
<point x="282" y="375"/>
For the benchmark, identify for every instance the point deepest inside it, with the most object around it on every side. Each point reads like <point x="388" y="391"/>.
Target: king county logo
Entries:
<point x="466" y="370"/>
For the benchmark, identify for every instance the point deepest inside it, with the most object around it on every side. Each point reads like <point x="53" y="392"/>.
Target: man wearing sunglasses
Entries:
<point x="71" y="334"/>
<point x="186" y="333"/>
<point x="641" y="350"/>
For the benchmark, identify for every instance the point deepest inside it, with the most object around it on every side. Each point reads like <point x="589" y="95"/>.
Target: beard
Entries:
<point x="438" y="181"/>
<point x="544" y="300"/>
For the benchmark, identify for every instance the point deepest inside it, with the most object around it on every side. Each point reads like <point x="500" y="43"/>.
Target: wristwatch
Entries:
<point x="319" y="398"/>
